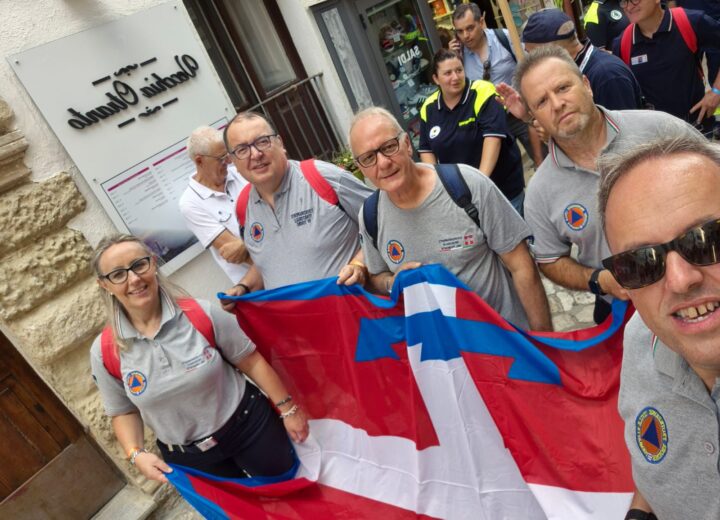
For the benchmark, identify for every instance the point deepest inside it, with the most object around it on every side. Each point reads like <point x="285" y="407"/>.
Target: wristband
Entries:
<point x="715" y="90"/>
<point x="291" y="411"/>
<point x="594" y="283"/>
<point x="134" y="453"/>
<point x="247" y="289"/>
<point x="284" y="401"/>
<point x="357" y="263"/>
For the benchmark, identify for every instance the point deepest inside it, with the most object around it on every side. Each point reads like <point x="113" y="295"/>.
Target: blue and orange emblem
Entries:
<point x="136" y="382"/>
<point x="651" y="435"/>
<point x="257" y="233"/>
<point x="576" y="216"/>
<point x="395" y="251"/>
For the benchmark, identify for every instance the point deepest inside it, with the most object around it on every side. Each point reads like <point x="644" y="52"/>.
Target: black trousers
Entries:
<point x="254" y="443"/>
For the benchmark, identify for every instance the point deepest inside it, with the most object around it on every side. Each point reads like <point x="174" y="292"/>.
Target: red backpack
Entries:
<point x="312" y="176"/>
<point x="687" y="32"/>
<point x="197" y="316"/>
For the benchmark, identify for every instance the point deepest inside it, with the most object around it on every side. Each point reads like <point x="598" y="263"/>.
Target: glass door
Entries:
<point x="402" y="48"/>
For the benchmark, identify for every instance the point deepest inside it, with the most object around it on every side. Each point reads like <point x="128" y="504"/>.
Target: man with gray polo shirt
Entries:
<point x="417" y="221"/>
<point x="666" y="246"/>
<point x="208" y="203"/>
<point x="292" y="231"/>
<point x="560" y="206"/>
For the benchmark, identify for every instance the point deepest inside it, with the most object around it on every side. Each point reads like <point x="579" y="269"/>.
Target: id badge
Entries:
<point x="206" y="444"/>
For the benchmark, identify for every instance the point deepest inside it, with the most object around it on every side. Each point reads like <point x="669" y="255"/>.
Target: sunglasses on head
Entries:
<point x="646" y="265"/>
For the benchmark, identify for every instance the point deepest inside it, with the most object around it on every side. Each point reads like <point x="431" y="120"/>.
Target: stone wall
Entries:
<point x="50" y="305"/>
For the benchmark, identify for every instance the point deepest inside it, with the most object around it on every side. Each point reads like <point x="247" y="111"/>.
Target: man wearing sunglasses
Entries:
<point x="292" y="234"/>
<point x="208" y="203"/>
<point x="561" y="202"/>
<point x="666" y="246"/>
<point x="418" y="222"/>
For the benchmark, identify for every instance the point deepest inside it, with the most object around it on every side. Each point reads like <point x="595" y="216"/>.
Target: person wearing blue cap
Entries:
<point x="613" y="84"/>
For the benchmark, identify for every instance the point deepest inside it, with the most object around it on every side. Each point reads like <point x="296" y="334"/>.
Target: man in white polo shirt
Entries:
<point x="208" y="203"/>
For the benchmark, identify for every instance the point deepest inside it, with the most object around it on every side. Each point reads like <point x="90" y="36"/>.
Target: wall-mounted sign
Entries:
<point x="122" y="98"/>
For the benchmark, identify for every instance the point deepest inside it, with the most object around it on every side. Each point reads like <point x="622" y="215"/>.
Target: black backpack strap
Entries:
<point x="458" y="190"/>
<point x="502" y="37"/>
<point x="370" y="216"/>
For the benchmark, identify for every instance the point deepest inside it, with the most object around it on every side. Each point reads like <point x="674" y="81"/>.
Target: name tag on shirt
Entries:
<point x="637" y="60"/>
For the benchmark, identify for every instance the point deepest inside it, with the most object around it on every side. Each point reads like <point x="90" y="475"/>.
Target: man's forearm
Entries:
<point x="253" y="279"/>
<point x="568" y="273"/>
<point x="533" y="298"/>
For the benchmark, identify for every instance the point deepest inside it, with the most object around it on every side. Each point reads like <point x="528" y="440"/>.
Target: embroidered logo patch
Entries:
<point x="651" y="435"/>
<point x="434" y="131"/>
<point x="615" y="14"/>
<point x="257" y="233"/>
<point x="395" y="251"/>
<point x="136" y="382"/>
<point x="576" y="216"/>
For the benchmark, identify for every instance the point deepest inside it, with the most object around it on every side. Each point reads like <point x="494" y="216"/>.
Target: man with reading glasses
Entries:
<point x="415" y="220"/>
<point x="666" y="246"/>
<point x="291" y="231"/>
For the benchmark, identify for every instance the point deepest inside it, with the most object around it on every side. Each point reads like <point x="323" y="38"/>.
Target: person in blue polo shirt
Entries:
<point x="463" y="123"/>
<point x="613" y="85"/>
<point x="667" y="69"/>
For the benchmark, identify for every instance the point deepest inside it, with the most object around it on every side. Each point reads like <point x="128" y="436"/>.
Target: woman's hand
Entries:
<point x="297" y="426"/>
<point x="152" y="466"/>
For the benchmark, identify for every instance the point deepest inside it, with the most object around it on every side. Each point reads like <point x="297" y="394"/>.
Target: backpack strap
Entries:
<point x="370" y="216"/>
<point x="457" y="188"/>
<point x="197" y="316"/>
<point x="626" y="43"/>
<point x="319" y="183"/>
<point x="109" y="352"/>
<point x="241" y="207"/>
<point x="503" y="39"/>
<point x="688" y="34"/>
<point x="686" y="30"/>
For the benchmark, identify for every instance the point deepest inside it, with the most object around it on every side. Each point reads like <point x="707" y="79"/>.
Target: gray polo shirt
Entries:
<point x="304" y="238"/>
<point x="439" y="231"/>
<point x="182" y="387"/>
<point x="561" y="200"/>
<point x="671" y="428"/>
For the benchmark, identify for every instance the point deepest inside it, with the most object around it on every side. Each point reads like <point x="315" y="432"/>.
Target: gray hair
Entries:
<point x="112" y="305"/>
<point x="460" y="11"/>
<point x="677" y="139"/>
<point x="201" y="140"/>
<point x="539" y="56"/>
<point x="375" y="111"/>
<point x="245" y="116"/>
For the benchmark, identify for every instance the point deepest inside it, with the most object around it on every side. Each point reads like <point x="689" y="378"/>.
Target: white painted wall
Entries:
<point x="27" y="24"/>
<point x="315" y="57"/>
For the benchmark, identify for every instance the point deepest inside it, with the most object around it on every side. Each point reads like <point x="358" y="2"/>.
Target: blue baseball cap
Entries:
<point x="548" y="25"/>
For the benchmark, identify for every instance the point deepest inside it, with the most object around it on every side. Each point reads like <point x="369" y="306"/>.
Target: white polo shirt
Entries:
<point x="208" y="213"/>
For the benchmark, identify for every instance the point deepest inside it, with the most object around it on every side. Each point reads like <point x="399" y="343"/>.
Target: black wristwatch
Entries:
<point x="594" y="285"/>
<point x="639" y="514"/>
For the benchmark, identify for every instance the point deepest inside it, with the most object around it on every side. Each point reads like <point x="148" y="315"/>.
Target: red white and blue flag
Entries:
<point x="430" y="405"/>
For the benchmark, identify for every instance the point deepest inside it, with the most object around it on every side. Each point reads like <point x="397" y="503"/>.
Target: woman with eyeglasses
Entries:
<point x="463" y="123"/>
<point x="178" y="365"/>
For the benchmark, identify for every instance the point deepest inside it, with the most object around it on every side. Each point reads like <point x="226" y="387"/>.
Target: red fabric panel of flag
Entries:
<point x="429" y="404"/>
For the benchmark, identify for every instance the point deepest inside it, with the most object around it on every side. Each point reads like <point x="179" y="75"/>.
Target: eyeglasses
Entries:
<point x="262" y="143"/>
<point x="139" y="266"/>
<point x="219" y="158"/>
<point x="624" y="3"/>
<point x="388" y="149"/>
<point x="486" y="70"/>
<point x="646" y="265"/>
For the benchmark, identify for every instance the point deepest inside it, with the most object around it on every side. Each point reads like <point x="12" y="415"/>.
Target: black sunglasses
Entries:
<point x="646" y="265"/>
<point x="486" y="70"/>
